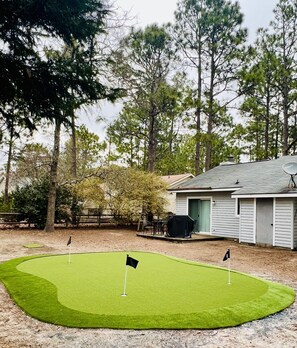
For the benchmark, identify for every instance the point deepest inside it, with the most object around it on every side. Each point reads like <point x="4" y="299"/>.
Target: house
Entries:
<point x="253" y="202"/>
<point x="171" y="181"/>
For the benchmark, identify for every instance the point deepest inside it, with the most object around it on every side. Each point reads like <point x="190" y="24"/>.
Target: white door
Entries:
<point x="264" y="221"/>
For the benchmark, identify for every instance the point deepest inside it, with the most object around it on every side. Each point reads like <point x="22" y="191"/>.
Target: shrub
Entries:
<point x="31" y="201"/>
<point x="6" y="207"/>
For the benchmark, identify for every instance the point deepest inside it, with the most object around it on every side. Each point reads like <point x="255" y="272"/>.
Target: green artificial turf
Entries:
<point x="163" y="292"/>
<point x="33" y="245"/>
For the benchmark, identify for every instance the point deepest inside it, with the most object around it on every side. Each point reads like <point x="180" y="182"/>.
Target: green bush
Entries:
<point x="31" y="201"/>
<point x="6" y="207"/>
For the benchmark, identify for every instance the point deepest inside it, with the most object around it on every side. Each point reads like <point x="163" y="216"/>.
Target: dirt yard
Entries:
<point x="19" y="330"/>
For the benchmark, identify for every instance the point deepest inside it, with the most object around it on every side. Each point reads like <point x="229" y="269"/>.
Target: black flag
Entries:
<point x="131" y="262"/>
<point x="69" y="241"/>
<point x="227" y="255"/>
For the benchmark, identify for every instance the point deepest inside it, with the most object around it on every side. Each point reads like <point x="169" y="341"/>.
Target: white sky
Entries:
<point x="257" y="13"/>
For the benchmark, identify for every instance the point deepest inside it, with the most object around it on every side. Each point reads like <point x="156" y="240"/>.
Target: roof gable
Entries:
<point x="171" y="180"/>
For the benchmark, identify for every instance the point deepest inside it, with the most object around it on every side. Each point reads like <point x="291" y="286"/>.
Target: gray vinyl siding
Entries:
<point x="181" y="204"/>
<point x="225" y="223"/>
<point x="295" y="225"/>
<point x="247" y="221"/>
<point x="283" y="223"/>
<point x="182" y="201"/>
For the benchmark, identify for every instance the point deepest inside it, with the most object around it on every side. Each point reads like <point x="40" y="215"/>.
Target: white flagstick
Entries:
<point x="69" y="250"/>
<point x="229" y="271"/>
<point x="69" y="254"/>
<point x="125" y="282"/>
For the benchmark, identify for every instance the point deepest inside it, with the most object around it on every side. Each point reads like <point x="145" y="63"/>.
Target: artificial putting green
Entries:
<point x="33" y="245"/>
<point x="163" y="292"/>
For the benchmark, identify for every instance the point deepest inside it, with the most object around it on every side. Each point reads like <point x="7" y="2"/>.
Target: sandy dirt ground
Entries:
<point x="19" y="330"/>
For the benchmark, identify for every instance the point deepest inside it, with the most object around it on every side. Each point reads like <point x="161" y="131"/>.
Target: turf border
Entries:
<point x="24" y="289"/>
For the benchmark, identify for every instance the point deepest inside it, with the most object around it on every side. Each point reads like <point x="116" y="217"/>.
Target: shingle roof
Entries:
<point x="263" y="177"/>
<point x="177" y="178"/>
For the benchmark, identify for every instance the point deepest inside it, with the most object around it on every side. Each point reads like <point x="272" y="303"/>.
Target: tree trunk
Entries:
<point x="286" y="122"/>
<point x="8" y="166"/>
<point x="267" y="125"/>
<point x="73" y="148"/>
<point x="198" y="146"/>
<point x="208" y="147"/>
<point x="285" y="92"/>
<point x="258" y="142"/>
<point x="51" y="208"/>
<point x="152" y="142"/>
<point x="276" y="140"/>
<point x="73" y="167"/>
<point x="198" y="108"/>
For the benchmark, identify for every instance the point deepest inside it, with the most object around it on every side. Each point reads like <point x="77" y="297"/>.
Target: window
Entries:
<point x="237" y="206"/>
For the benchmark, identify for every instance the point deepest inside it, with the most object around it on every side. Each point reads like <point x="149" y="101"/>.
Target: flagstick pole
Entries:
<point x="69" y="254"/>
<point x="229" y="269"/>
<point x="125" y="282"/>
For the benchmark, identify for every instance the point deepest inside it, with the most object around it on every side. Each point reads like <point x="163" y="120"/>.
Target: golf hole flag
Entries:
<point x="131" y="262"/>
<point x="69" y="247"/>
<point x="227" y="255"/>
